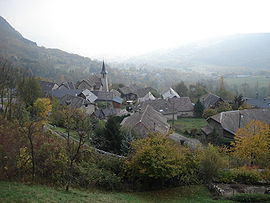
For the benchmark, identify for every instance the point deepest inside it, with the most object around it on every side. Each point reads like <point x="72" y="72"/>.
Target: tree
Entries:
<point x="154" y="159"/>
<point x="196" y="91"/>
<point x="198" y="108"/>
<point x="79" y="123"/>
<point x="208" y="113"/>
<point x="223" y="106"/>
<point x="8" y="80"/>
<point x="42" y="108"/>
<point x="113" y="136"/>
<point x="252" y="143"/>
<point x="181" y="89"/>
<point x="28" y="91"/>
<point x="237" y="102"/>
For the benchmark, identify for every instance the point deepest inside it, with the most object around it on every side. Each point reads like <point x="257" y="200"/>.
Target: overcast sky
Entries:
<point x="108" y="28"/>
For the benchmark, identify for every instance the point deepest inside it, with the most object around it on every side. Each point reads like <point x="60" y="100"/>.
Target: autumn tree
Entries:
<point x="252" y="143"/>
<point x="154" y="159"/>
<point x="42" y="108"/>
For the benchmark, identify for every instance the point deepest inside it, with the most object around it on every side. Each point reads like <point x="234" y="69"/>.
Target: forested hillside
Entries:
<point x="49" y="63"/>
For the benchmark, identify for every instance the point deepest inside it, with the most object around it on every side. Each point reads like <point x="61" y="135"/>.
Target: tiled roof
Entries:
<point x="258" y="103"/>
<point x="62" y="92"/>
<point x="229" y="120"/>
<point x="150" y="118"/>
<point x="209" y="100"/>
<point x="182" y="104"/>
<point x="73" y="101"/>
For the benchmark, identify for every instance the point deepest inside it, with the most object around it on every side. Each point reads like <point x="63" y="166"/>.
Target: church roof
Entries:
<point x="103" y="71"/>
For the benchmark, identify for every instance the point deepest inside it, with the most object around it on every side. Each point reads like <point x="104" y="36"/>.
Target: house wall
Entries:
<point x="116" y="105"/>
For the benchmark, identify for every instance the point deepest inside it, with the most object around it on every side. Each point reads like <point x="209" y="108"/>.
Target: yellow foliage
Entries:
<point x="252" y="142"/>
<point x="155" y="157"/>
<point x="43" y="107"/>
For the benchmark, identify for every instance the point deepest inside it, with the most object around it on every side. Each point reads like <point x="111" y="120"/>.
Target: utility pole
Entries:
<point x="173" y="115"/>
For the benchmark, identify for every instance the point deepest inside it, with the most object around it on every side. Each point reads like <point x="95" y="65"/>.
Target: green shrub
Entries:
<point x="211" y="162"/>
<point x="250" y="198"/>
<point x="241" y="175"/>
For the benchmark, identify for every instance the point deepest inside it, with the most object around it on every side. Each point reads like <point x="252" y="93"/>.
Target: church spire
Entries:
<point x="103" y="70"/>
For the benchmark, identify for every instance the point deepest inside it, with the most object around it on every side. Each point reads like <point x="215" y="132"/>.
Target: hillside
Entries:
<point x="17" y="192"/>
<point x="249" y="51"/>
<point x="50" y="63"/>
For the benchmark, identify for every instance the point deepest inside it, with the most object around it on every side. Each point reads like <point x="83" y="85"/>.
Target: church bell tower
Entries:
<point x="104" y="78"/>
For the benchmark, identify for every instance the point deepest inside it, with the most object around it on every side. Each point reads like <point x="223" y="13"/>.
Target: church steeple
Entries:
<point x="103" y="70"/>
<point x="104" y="78"/>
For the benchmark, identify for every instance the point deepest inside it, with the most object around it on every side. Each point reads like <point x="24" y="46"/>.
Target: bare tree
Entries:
<point x="78" y="128"/>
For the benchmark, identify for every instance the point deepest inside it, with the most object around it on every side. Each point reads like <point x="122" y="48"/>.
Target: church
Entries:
<point x="96" y="82"/>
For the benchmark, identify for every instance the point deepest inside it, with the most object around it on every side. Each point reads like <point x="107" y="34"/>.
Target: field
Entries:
<point x="16" y="192"/>
<point x="182" y="125"/>
<point x="263" y="81"/>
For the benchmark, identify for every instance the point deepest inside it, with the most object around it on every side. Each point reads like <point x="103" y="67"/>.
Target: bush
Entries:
<point x="211" y="162"/>
<point x="250" y="198"/>
<point x="101" y="175"/>
<point x="208" y="113"/>
<point x="154" y="160"/>
<point x="241" y="175"/>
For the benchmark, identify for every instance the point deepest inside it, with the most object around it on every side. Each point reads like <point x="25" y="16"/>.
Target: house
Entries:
<point x="145" y="121"/>
<point x="134" y="92"/>
<point x="211" y="100"/>
<point x="170" y="93"/>
<point x="148" y="96"/>
<point x="47" y="87"/>
<point x="105" y="113"/>
<point x="129" y="93"/>
<point x="78" y="102"/>
<point x="109" y="99"/>
<point x="144" y="94"/>
<point x="225" y="124"/>
<point x="95" y="82"/>
<point x="257" y="103"/>
<point x="171" y="108"/>
<point x="88" y="95"/>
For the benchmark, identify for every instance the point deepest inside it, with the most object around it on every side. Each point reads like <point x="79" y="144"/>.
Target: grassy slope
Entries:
<point x="16" y="192"/>
<point x="186" y="124"/>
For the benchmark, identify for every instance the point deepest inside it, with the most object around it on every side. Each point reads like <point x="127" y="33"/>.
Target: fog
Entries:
<point x="114" y="28"/>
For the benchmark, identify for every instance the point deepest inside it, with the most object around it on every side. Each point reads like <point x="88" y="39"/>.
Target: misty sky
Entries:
<point x="108" y="28"/>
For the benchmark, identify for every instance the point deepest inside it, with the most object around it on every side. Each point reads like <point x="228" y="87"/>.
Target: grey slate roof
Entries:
<point x="62" y="92"/>
<point x="182" y="104"/>
<point x="229" y="120"/>
<point x="258" y="103"/>
<point x="73" y="101"/>
<point x="150" y="118"/>
<point x="141" y="92"/>
<point x="103" y="96"/>
<point x="93" y="81"/>
<point x="209" y="100"/>
<point x="104" y="113"/>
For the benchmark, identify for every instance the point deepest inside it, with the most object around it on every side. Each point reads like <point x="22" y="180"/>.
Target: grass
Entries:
<point x="182" y="125"/>
<point x="17" y="192"/>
